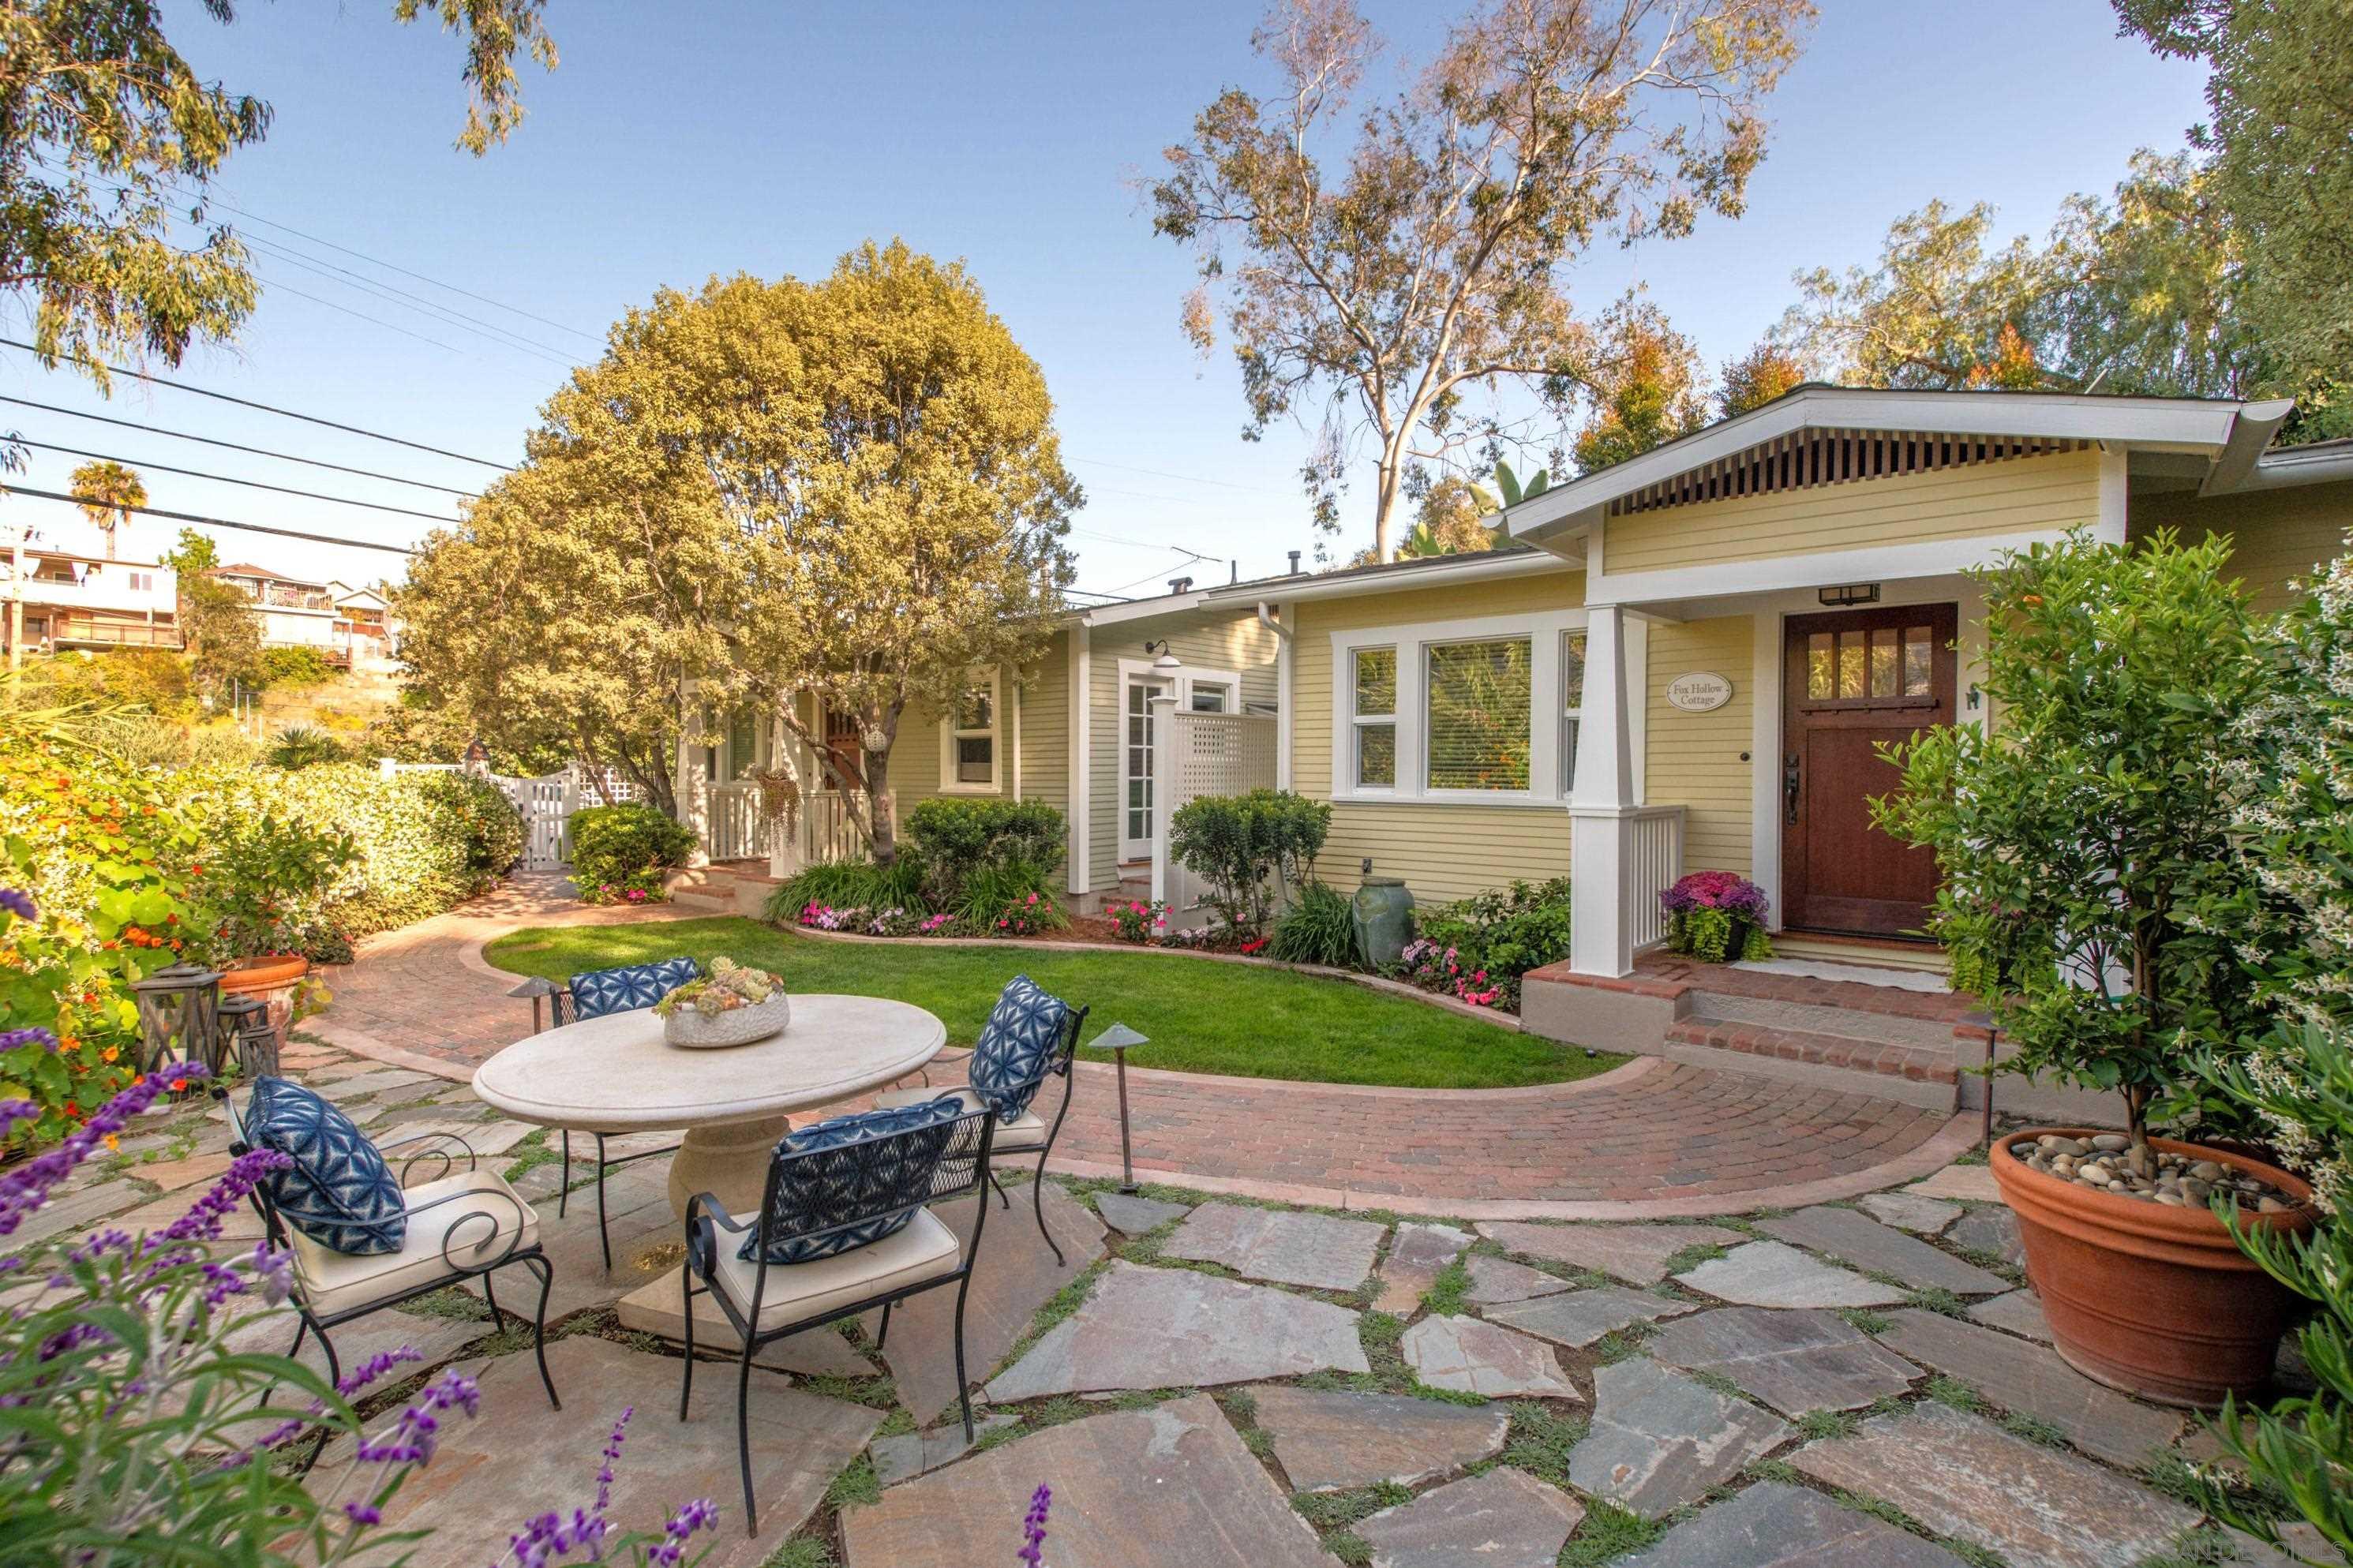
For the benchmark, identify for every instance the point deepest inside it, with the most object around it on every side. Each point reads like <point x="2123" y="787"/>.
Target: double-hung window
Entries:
<point x="1572" y="698"/>
<point x="968" y="741"/>
<point x="1374" y="687"/>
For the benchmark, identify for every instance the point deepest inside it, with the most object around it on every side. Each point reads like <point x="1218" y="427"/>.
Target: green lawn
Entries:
<point x="1200" y="1018"/>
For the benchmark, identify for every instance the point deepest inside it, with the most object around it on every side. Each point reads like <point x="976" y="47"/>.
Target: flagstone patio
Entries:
<point x="1212" y="1384"/>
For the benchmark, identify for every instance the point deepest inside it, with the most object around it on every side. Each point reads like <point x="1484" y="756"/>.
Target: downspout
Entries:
<point x="1270" y="623"/>
<point x="1283" y="706"/>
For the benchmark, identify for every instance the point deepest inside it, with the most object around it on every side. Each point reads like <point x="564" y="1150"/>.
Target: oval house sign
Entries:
<point x="1702" y="691"/>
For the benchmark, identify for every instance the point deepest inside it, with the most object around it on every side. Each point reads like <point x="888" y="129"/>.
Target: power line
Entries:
<point x="224" y="480"/>
<point x="417" y="302"/>
<point x="362" y="315"/>
<point x="222" y="522"/>
<point x="391" y="267"/>
<point x="1164" y="474"/>
<point x="268" y="409"/>
<point x="235" y="447"/>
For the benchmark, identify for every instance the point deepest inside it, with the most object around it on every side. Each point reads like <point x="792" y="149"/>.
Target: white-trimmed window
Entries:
<point x="1478" y="716"/>
<point x="969" y="743"/>
<point x="1483" y="711"/>
<point x="1373" y="742"/>
<point x="1211" y="697"/>
<point x="1572" y="698"/>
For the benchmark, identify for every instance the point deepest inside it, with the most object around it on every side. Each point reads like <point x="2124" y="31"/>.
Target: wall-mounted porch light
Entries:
<point x="1849" y="594"/>
<point x="1167" y="659"/>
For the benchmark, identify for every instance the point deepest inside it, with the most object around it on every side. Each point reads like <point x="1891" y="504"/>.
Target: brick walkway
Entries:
<point x="1651" y="1140"/>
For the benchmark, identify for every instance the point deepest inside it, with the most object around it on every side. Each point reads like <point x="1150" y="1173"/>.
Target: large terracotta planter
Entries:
<point x="273" y="979"/>
<point x="2157" y="1301"/>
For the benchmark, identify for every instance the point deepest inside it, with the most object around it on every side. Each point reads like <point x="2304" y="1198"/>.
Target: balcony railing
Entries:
<point x="66" y="629"/>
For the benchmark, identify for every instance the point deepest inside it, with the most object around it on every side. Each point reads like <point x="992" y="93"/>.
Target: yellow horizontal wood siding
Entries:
<point x="1694" y="759"/>
<point x="1442" y="851"/>
<point x="2021" y="495"/>
<point x="2277" y="536"/>
<point x="1202" y="639"/>
<point x="1046" y="728"/>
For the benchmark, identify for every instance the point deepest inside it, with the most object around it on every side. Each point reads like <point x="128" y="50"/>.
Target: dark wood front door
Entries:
<point x="1851" y="682"/>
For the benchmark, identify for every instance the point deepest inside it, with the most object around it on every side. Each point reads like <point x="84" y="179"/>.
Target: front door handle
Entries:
<point x="1791" y="784"/>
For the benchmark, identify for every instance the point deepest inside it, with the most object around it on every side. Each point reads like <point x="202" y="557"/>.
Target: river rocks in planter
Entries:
<point x="2104" y="1163"/>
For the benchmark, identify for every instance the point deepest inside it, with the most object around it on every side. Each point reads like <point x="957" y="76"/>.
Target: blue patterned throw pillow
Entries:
<point x="339" y="1191"/>
<point x="847" y="1178"/>
<point x="1017" y="1046"/>
<point x="597" y="991"/>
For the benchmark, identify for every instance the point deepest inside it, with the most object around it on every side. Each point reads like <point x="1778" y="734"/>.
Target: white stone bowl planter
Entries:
<point x="740" y="1026"/>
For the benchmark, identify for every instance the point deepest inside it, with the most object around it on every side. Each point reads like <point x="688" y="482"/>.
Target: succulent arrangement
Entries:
<point x="728" y="986"/>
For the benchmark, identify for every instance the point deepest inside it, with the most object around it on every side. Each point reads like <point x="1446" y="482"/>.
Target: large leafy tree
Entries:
<point x="849" y="488"/>
<point x="2279" y="142"/>
<point x="1766" y="371"/>
<point x="1648" y="393"/>
<point x="106" y="492"/>
<point x="109" y="137"/>
<point x="1377" y="284"/>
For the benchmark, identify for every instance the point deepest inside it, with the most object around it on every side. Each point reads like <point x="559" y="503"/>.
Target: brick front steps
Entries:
<point x="1886" y="1039"/>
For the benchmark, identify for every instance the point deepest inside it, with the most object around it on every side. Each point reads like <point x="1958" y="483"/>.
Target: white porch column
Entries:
<point x="1163" y="735"/>
<point x="784" y="848"/>
<point x="1601" y="929"/>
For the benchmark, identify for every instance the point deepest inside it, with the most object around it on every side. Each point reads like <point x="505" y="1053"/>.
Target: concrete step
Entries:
<point x="1860" y="1022"/>
<point x="1877" y="1058"/>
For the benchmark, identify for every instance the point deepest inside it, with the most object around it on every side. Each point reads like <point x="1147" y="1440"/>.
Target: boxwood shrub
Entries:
<point x="626" y="848"/>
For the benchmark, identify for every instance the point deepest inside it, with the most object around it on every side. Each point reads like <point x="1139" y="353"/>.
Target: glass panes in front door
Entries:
<point x="1869" y="664"/>
<point x="1136" y="833"/>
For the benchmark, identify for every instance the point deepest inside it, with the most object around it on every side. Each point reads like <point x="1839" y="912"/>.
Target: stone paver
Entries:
<point x="1504" y="1519"/>
<point x="1773" y="1273"/>
<point x="434" y="1339"/>
<point x="913" y="1454"/>
<point x="813" y="1353"/>
<point x="1660" y="1440"/>
<point x="518" y="1458"/>
<point x="1170" y="1327"/>
<point x="1991" y="1231"/>
<point x="1794" y="1362"/>
<point x="83" y="1209"/>
<point x="345" y="1089"/>
<point x="1857" y="1239"/>
<point x="1909" y="1211"/>
<point x="1132" y="1214"/>
<point x="1015" y="1276"/>
<point x="1288" y="1248"/>
<point x="2020" y="1311"/>
<point x="1968" y="1478"/>
<point x="1472" y="1357"/>
<point x="1580" y="1317"/>
<point x="1965" y="1183"/>
<point x="2032" y="1381"/>
<point x="1497" y="1280"/>
<point x="171" y="1175"/>
<point x="1638" y="1254"/>
<point x="1170" y="1487"/>
<point x="1417" y="1254"/>
<point x="1774" y="1525"/>
<point x="1329" y="1441"/>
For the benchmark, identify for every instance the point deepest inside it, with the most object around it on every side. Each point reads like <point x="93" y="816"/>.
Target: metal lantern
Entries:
<point x="1121" y="1039"/>
<point x="248" y="1037"/>
<point x="179" y="1016"/>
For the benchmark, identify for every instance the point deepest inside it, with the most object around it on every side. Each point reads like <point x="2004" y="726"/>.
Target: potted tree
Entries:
<point x="2090" y="884"/>
<point x="267" y="882"/>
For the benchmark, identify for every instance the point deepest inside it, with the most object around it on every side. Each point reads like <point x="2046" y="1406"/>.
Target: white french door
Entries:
<point x="1136" y="764"/>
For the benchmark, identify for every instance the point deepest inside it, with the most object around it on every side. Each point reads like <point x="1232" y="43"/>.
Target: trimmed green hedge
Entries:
<point x="625" y="849"/>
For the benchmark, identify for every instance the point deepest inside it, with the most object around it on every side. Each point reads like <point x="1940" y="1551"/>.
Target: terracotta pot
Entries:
<point x="2154" y="1299"/>
<point x="273" y="979"/>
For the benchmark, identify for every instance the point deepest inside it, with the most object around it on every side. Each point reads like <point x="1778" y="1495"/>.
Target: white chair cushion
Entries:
<point x="335" y="1282"/>
<point x="1025" y="1134"/>
<point x="925" y="1249"/>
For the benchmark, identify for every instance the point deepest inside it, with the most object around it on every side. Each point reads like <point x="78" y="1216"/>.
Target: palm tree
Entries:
<point x="106" y="493"/>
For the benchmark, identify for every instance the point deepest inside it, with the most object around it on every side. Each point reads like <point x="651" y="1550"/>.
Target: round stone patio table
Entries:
<point x="615" y="1074"/>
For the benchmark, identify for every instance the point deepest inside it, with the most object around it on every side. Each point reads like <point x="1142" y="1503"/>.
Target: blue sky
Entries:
<point x="680" y="141"/>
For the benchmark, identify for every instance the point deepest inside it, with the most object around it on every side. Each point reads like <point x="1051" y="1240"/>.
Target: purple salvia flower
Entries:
<point x="12" y="1111"/>
<point x="376" y="1366"/>
<point x="1033" y="1526"/>
<point x="274" y="1271"/>
<point x="612" y="1452"/>
<point x="28" y="1188"/>
<point x="699" y="1514"/>
<point x="351" y="1383"/>
<point x="416" y="1434"/>
<point x="362" y="1514"/>
<point x="10" y="1039"/>
<point x="18" y="902"/>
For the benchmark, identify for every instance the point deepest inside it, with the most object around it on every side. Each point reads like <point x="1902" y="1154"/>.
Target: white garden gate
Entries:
<point x="1201" y="755"/>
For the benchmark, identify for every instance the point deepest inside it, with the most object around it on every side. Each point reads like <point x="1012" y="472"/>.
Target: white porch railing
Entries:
<point x="733" y="824"/>
<point x="1653" y="862"/>
<point x="1200" y="754"/>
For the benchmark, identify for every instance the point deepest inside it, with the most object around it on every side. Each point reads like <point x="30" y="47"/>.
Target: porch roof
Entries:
<point x="2225" y="435"/>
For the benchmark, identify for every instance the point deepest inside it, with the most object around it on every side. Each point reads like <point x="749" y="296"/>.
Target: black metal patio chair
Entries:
<point x="462" y="1224"/>
<point x="1022" y="1135"/>
<point x="858" y="1208"/>
<point x="592" y="994"/>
